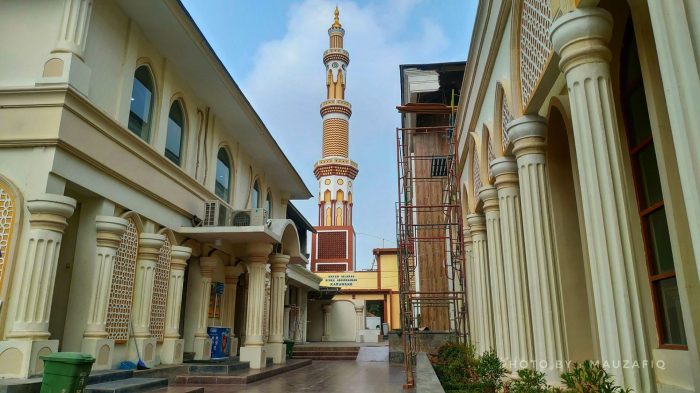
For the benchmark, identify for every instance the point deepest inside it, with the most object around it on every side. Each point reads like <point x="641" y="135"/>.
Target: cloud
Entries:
<point x="287" y="84"/>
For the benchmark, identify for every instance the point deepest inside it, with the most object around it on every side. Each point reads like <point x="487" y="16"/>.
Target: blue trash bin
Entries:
<point x="220" y="341"/>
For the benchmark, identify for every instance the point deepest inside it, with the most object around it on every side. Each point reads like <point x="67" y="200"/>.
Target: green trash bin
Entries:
<point x="66" y="372"/>
<point x="290" y="347"/>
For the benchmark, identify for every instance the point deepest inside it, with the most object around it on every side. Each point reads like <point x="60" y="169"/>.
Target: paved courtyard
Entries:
<point x="339" y="376"/>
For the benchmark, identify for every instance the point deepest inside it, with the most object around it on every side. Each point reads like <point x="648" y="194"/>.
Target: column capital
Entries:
<point x="467" y="234"/>
<point x="278" y="262"/>
<point x="179" y="256"/>
<point x="149" y="246"/>
<point x="489" y="195"/>
<point x="477" y="223"/>
<point x="258" y="252"/>
<point x="327" y="308"/>
<point x="50" y="211"/>
<point x="505" y="170"/>
<point x="528" y="134"/>
<point x="110" y="230"/>
<point x="582" y="36"/>
<point x="359" y="308"/>
<point x="207" y="265"/>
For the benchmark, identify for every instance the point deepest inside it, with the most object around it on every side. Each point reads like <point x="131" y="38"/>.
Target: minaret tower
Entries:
<point x="333" y="246"/>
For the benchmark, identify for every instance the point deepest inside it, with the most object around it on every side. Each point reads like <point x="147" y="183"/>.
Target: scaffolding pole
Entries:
<point x="418" y="226"/>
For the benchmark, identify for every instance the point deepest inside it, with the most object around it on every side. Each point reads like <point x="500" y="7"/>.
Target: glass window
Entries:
<point x="255" y="196"/>
<point x="222" y="186"/>
<point x="173" y="141"/>
<point x="268" y="204"/>
<point x="141" y="103"/>
<point x="650" y="200"/>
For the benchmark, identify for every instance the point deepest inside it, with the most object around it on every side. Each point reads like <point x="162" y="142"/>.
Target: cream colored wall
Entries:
<point x="343" y="321"/>
<point x="24" y="50"/>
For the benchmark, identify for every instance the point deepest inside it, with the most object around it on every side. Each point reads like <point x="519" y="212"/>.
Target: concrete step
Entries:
<point x="323" y="353"/>
<point x="109" y="375"/>
<point x="326" y="357"/>
<point x="217" y="369"/>
<point x="242" y="376"/>
<point x="325" y="349"/>
<point x="179" y="389"/>
<point x="130" y="385"/>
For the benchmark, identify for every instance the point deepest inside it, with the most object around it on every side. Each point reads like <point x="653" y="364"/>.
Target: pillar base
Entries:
<point x="21" y="359"/>
<point x="102" y="349"/>
<point x="66" y="68"/>
<point x="278" y="352"/>
<point x="202" y="348"/>
<point x="146" y="349"/>
<point x="171" y="351"/>
<point x="234" y="345"/>
<point x="255" y="356"/>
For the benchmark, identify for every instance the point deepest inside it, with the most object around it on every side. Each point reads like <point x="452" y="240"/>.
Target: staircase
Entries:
<point x="321" y="352"/>
<point x="125" y="382"/>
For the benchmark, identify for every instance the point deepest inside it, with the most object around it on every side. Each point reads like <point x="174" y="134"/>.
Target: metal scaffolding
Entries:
<point x="429" y="229"/>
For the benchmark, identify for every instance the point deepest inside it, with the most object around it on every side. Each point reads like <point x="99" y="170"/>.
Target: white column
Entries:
<point x="149" y="250"/>
<point x="275" y="346"/>
<point x="172" y="349"/>
<point x="256" y="263"/>
<point x="469" y="273"/>
<point x="326" y="322"/>
<point x="229" y="307"/>
<point x="496" y="272"/>
<point x="679" y="56"/>
<point x="33" y="285"/>
<point x="65" y="63"/>
<point x="202" y="342"/>
<point x="359" y="322"/>
<point x="505" y="170"/>
<point x="483" y="312"/>
<point x="528" y="135"/>
<point x="95" y="341"/>
<point x="580" y="37"/>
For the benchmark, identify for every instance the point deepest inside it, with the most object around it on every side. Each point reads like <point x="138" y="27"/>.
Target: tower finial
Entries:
<point x="336" y="20"/>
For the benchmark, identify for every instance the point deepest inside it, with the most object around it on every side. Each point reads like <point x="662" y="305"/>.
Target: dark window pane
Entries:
<point x="268" y="205"/>
<point x="141" y="103"/>
<point x="671" y="316"/>
<point x="255" y="196"/>
<point x="649" y="182"/>
<point x="173" y="141"/>
<point x="223" y="175"/>
<point x="640" y="129"/>
<point x="659" y="242"/>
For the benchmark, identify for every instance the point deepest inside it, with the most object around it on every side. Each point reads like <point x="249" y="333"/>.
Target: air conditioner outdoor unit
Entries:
<point x="216" y="214"/>
<point x="245" y="218"/>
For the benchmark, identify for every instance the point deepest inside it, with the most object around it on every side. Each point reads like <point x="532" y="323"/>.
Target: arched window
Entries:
<point x="650" y="199"/>
<point x="173" y="140"/>
<point x="255" y="196"/>
<point x="268" y="204"/>
<point x="222" y="185"/>
<point x="141" y="103"/>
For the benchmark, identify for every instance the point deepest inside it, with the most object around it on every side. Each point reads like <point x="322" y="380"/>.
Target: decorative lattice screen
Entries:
<point x="535" y="46"/>
<point x="160" y="291"/>
<point x="7" y="219"/>
<point x="506" y="118"/>
<point x="122" y="291"/>
<point x="332" y="245"/>
<point x="475" y="175"/>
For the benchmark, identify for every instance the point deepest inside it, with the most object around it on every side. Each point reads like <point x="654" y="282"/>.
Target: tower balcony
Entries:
<point x="336" y="105"/>
<point x="337" y="166"/>
<point x="337" y="54"/>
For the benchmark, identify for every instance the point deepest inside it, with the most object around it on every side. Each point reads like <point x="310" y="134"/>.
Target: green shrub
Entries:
<point x="590" y="378"/>
<point x="530" y="381"/>
<point x="490" y="371"/>
<point x="461" y="371"/>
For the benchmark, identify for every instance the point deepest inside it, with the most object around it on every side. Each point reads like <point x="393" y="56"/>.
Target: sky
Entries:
<point x="274" y="49"/>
